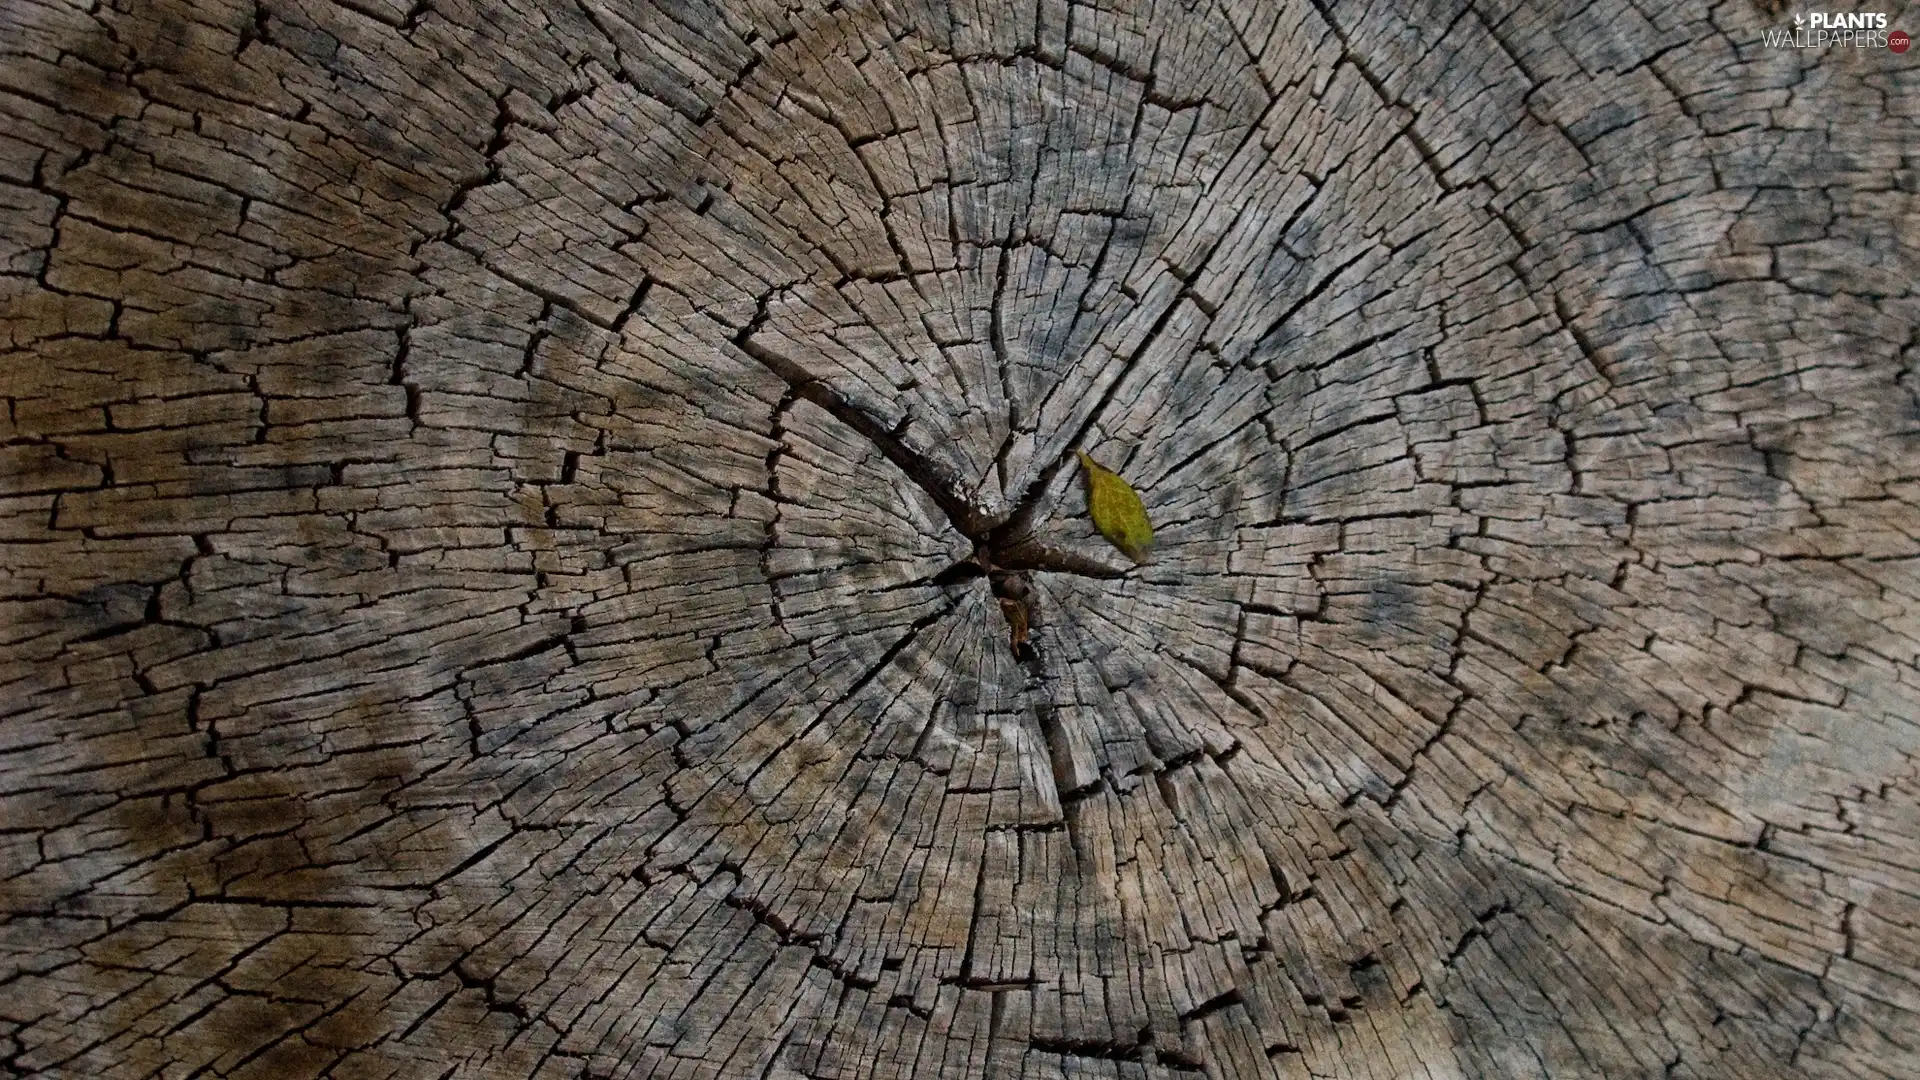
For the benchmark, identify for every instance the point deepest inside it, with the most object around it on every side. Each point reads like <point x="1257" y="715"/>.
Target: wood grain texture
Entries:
<point x="497" y="500"/>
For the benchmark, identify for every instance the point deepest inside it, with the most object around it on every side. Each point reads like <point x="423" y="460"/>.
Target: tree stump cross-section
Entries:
<point x="518" y="520"/>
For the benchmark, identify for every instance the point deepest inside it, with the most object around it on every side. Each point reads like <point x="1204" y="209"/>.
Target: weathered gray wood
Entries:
<point x="482" y="483"/>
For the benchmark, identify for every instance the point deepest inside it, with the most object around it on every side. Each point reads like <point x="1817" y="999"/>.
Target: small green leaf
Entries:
<point x="1116" y="510"/>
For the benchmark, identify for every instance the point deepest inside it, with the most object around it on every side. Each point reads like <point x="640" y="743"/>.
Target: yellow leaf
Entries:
<point x="1116" y="510"/>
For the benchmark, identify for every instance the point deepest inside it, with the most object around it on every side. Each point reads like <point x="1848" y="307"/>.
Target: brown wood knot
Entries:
<point x="1015" y="593"/>
<point x="1008" y="553"/>
<point x="1012" y="588"/>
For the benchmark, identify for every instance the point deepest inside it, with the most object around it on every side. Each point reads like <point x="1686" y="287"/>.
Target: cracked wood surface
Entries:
<point x="486" y="489"/>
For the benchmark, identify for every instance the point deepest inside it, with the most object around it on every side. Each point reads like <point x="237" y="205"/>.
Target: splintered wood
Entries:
<point x="544" y="540"/>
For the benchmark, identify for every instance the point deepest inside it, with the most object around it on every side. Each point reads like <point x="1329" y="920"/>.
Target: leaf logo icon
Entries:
<point x="1797" y="20"/>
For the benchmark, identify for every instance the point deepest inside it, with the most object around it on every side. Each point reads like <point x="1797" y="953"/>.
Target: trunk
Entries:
<point x="519" y="522"/>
